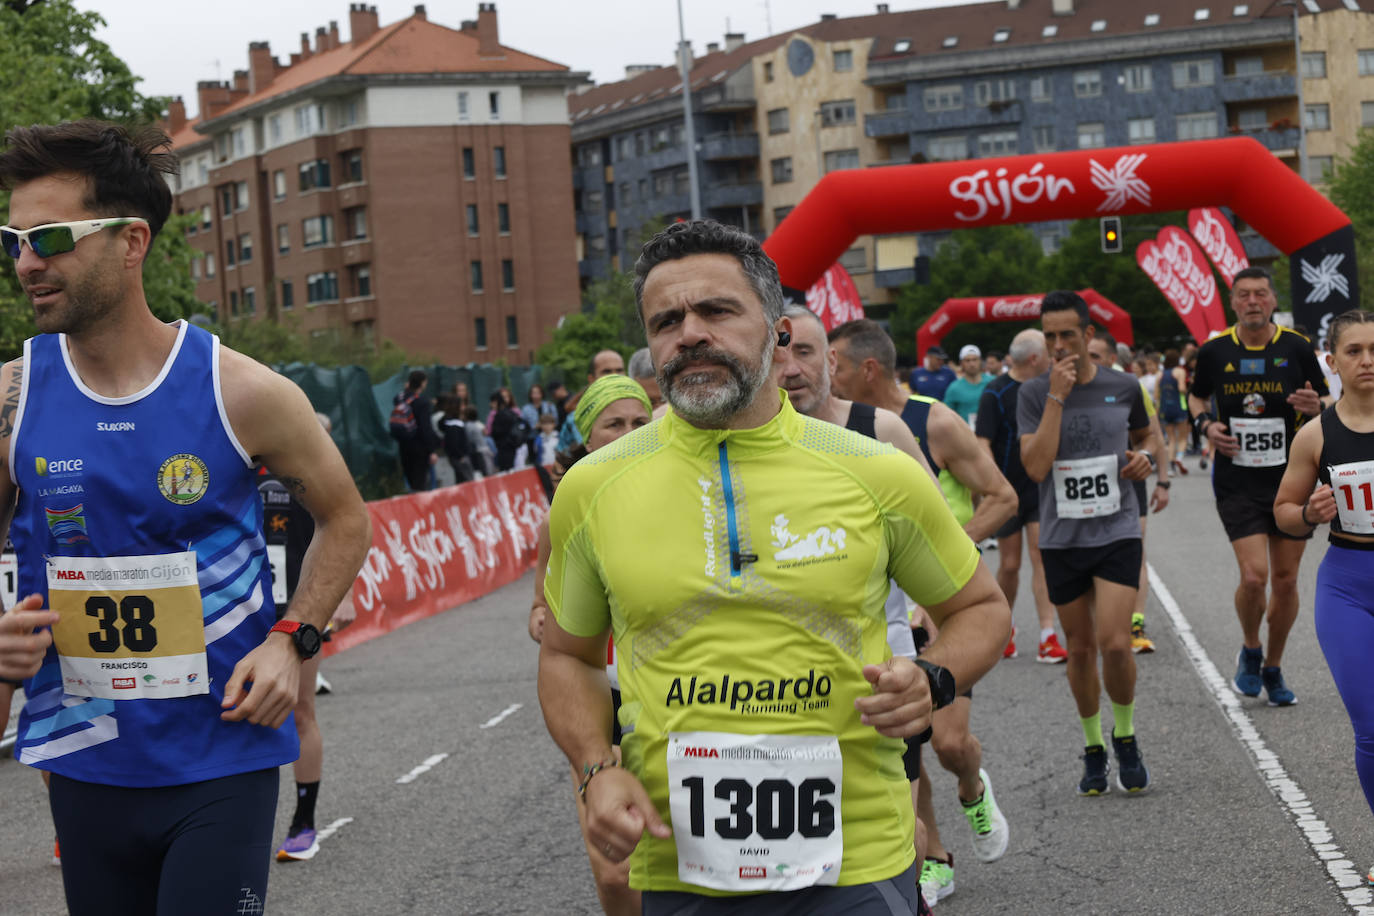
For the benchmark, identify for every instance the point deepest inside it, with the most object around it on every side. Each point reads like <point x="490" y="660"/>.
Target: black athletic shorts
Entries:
<point x="203" y="847"/>
<point x="1027" y="511"/>
<point x="897" y="896"/>
<point x="1069" y="571"/>
<point x="1246" y="513"/>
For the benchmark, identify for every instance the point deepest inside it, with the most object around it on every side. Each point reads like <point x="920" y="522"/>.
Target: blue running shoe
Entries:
<point x="1095" y="770"/>
<point x="1247" y="681"/>
<point x="1131" y="774"/>
<point x="300" y="846"/>
<point x="1279" y="694"/>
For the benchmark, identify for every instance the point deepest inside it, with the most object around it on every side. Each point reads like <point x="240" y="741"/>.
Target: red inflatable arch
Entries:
<point x="1235" y="172"/>
<point x="954" y="312"/>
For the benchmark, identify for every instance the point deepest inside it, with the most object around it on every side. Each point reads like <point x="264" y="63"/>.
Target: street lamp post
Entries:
<point x="686" y="71"/>
<point x="1302" y="108"/>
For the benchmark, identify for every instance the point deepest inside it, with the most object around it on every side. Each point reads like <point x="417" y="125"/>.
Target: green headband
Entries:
<point x="601" y="394"/>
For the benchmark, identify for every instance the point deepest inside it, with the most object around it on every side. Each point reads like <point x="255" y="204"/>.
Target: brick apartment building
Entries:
<point x="412" y="183"/>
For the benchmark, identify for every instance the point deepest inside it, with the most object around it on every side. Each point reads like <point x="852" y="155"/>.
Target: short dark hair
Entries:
<point x="1254" y="273"/>
<point x="1066" y="300"/>
<point x="867" y="340"/>
<point x="125" y="166"/>
<point x="416" y="378"/>
<point x="1101" y="333"/>
<point x="706" y="236"/>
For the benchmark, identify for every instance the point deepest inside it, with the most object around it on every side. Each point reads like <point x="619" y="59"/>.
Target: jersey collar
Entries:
<point x="1235" y="335"/>
<point x="782" y="428"/>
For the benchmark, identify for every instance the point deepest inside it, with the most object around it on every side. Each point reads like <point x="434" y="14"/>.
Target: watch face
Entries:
<point x="308" y="639"/>
<point x="800" y="56"/>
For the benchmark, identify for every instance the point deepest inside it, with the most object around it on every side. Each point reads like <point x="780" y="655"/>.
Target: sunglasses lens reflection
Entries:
<point x="10" y="242"/>
<point x="51" y="241"/>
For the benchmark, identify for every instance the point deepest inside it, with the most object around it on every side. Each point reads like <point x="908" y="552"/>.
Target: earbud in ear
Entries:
<point x="784" y="338"/>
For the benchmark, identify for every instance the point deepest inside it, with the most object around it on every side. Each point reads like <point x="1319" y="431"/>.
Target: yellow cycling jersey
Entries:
<point x="743" y="575"/>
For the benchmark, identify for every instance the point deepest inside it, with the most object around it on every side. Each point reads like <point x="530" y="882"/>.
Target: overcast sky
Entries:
<point x="173" y="46"/>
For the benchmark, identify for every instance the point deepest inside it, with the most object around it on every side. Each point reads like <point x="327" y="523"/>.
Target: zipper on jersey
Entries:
<point x="737" y="559"/>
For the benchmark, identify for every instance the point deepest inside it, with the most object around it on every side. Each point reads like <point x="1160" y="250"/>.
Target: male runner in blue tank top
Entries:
<point x="163" y="703"/>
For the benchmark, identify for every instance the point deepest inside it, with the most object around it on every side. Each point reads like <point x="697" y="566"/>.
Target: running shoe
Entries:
<point x="322" y="686"/>
<point x="1051" y="652"/>
<point x="1131" y="774"/>
<point x="937" y="879"/>
<point x="1247" y="681"/>
<point x="1202" y="462"/>
<point x="1279" y="694"/>
<point x="1180" y="467"/>
<point x="56" y="854"/>
<point x="1010" y="650"/>
<point x="990" y="831"/>
<point x="300" y="845"/>
<point x="1095" y="770"/>
<point x="1140" y="643"/>
<point x="1369" y="878"/>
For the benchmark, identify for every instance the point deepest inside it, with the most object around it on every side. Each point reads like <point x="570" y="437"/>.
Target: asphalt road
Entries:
<point x="447" y="796"/>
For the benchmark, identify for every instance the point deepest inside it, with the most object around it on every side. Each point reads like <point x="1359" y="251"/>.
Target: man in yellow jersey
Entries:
<point x="763" y="711"/>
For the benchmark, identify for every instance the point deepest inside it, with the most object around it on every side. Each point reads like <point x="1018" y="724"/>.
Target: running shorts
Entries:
<point x="1246" y="513"/>
<point x="1069" y="571"/>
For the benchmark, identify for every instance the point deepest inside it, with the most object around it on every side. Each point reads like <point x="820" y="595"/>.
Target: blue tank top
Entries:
<point x="146" y="477"/>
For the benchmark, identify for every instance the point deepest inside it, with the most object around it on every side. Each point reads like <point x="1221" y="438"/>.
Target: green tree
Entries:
<point x="52" y="69"/>
<point x="1352" y="189"/>
<point x="279" y="343"/>
<point x="580" y="337"/>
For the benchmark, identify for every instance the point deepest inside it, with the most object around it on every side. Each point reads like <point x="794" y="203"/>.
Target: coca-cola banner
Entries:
<point x="834" y="297"/>
<point x="1176" y="265"/>
<point x="435" y="550"/>
<point x="1219" y="241"/>
<point x="1234" y="172"/>
<point x="953" y="312"/>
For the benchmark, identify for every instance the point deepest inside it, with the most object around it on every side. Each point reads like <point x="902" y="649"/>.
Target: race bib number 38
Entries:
<point x="1086" y="487"/>
<point x="755" y="812"/>
<point x="1263" y="443"/>
<point x="129" y="628"/>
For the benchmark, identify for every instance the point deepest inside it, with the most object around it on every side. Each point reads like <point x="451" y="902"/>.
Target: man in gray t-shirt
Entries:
<point x="1084" y="436"/>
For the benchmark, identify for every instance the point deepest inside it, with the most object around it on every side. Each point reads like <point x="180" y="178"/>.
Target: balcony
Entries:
<point x="716" y="147"/>
<point x="352" y="195"/>
<point x="725" y="98"/>
<point x="357" y="251"/>
<point x="743" y="194"/>
<point x="664" y="157"/>
<point x="1272" y="84"/>
<point x="891" y="279"/>
<point x="578" y="183"/>
<point x="1275" y="139"/>
<point x="894" y="123"/>
<point x="587" y="267"/>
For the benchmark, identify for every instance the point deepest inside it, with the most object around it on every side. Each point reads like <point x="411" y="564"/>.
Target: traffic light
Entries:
<point x="1111" y="234"/>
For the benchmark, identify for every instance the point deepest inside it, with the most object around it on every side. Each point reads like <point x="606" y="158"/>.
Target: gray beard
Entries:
<point x="712" y="406"/>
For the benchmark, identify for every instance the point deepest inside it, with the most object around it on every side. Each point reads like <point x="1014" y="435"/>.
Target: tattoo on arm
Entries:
<point x="10" y="405"/>
<point x="294" y="485"/>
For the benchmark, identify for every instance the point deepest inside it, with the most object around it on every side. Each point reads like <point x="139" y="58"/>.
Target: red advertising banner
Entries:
<point x="1218" y="239"/>
<point x="431" y="551"/>
<point x="834" y="297"/>
<point x="1172" y="260"/>
<point x="953" y="312"/>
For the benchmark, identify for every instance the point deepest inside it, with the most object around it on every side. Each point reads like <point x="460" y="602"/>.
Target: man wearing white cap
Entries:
<point x="963" y="393"/>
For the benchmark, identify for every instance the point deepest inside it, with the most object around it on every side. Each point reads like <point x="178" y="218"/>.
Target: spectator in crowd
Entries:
<point x="453" y="432"/>
<point x="413" y="430"/>
<point x="537" y="407"/>
<point x="964" y="392"/>
<point x="508" y="429"/>
<point x="934" y="377"/>
<point x="480" y="452"/>
<point x="642" y="371"/>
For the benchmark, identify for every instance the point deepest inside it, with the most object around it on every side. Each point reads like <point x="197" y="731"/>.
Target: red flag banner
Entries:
<point x="435" y="550"/>
<point x="835" y="298"/>
<point x="1218" y="239"/>
<point x="1188" y="261"/>
<point x="1154" y="259"/>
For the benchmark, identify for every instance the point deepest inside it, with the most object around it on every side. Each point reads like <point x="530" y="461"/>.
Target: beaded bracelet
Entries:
<point x="590" y="770"/>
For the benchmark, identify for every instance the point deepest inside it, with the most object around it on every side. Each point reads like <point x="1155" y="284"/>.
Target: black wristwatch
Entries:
<point x="942" y="688"/>
<point x="306" y="637"/>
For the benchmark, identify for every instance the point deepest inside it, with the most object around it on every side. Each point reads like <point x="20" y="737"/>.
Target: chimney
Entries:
<point x="212" y="97"/>
<point x="261" y="67"/>
<point x="712" y="47"/>
<point x="882" y="9"/>
<point x="1013" y="4"/>
<point x="295" y="58"/>
<point x="733" y="41"/>
<point x="468" y="25"/>
<point x="241" y="81"/>
<point x="305" y="46"/>
<point x="176" y="115"/>
<point x="321" y="40"/>
<point x="1062" y="7"/>
<point x="826" y="17"/>
<point x="362" y="22"/>
<point x="488" y="37"/>
<point x="633" y="70"/>
<point x="334" y="35"/>
<point x="420" y="12"/>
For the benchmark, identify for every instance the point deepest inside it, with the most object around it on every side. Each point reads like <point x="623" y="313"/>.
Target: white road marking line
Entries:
<point x="332" y="829"/>
<point x="497" y="719"/>
<point x="429" y="764"/>
<point x="1343" y="872"/>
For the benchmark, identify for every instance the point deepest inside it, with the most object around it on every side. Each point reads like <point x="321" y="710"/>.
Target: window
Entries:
<point x="245" y="248"/>
<point x="1141" y="130"/>
<point x="1000" y="143"/>
<point x="1194" y="73"/>
<point x="309" y="120"/>
<point x="250" y="300"/>
<point x="205" y="217"/>
<point x="314" y="175"/>
<point x="462" y="106"/>
<point x="352" y="166"/>
<point x="229" y="248"/>
<point x="1091" y="135"/>
<point x="209" y="266"/>
<point x="782" y="170"/>
<point x="1317" y="117"/>
<point x="1087" y="84"/>
<point x="663" y="182"/>
<point x="833" y="114"/>
<point x="1002" y="35"/>
<point x="241" y="195"/>
<point x="591" y="202"/>
<point x="288" y="296"/>
<point x="1367" y="114"/>
<point x="1319" y="169"/>
<point x="855" y="259"/>
<point x="944" y="98"/>
<point x="658" y="139"/>
<point x="1365" y="60"/>
<point x="283" y="238"/>
<point x="226" y="201"/>
<point x="841" y="159"/>
<point x="1314" y="65"/>
<point x="317" y="230"/>
<point x="623" y="198"/>
<point x="1248" y="66"/>
<point x="902" y="46"/>
<point x="1099" y="25"/>
<point x="1151" y="19"/>
<point x="597" y="243"/>
<point x="240" y="141"/>
<point x="947" y="148"/>
<point x="469" y="163"/>
<point x="1252" y="119"/>
<point x="591" y="155"/>
<point x="279" y="185"/>
<point x="494" y="105"/>
<point x="951" y="41"/>
<point x="1041" y="89"/>
<point x="479" y="332"/>
<point x="987" y="91"/>
<point x="322" y="287"/>
<point x="498" y="161"/>
<point x="274" y="128"/>
<point x="1242" y="9"/>
<point x="503" y="216"/>
<point x="1049" y="31"/>
<point x="507" y="274"/>
<point x="679" y="134"/>
<point x="471" y="210"/>
<point x="1042" y="138"/>
<point x="780" y="214"/>
<point x="195" y="268"/>
<point x="355" y="220"/>
<point x="1201" y="14"/>
<point x="1200" y="125"/>
<point x="778" y="121"/>
<point x="475" y="275"/>
<point x="1139" y="78"/>
<point x="234" y="302"/>
<point x="643" y="189"/>
<point x="360" y="280"/>
<point x="844" y="61"/>
<point x="348" y="114"/>
<point x="512" y="332"/>
<point x="682" y="182"/>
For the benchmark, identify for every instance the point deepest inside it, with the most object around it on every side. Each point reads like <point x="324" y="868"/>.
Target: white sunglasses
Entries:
<point x="57" y="238"/>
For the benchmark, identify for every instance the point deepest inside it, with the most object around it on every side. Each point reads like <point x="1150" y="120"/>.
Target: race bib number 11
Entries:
<point x="756" y="812"/>
<point x="1353" y="486"/>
